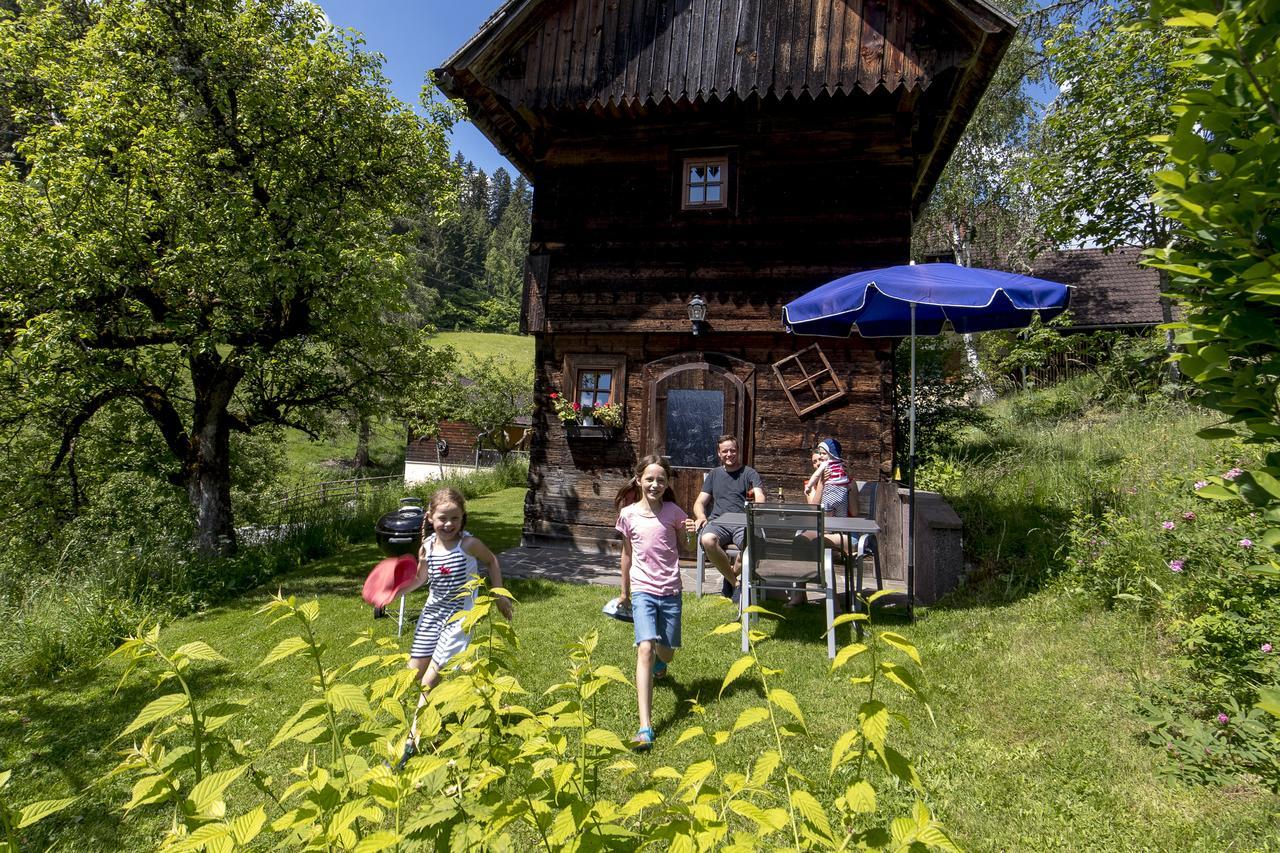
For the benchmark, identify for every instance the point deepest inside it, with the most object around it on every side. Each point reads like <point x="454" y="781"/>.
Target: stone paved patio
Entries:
<point x="568" y="566"/>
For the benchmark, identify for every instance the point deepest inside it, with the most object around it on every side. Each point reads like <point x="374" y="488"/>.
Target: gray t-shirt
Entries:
<point x="728" y="489"/>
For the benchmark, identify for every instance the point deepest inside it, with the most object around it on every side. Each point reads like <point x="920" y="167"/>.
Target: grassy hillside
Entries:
<point x="330" y="458"/>
<point x="473" y="345"/>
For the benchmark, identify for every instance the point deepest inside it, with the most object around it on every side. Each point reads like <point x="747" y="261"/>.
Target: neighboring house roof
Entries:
<point x="1110" y="289"/>
<point x="536" y="63"/>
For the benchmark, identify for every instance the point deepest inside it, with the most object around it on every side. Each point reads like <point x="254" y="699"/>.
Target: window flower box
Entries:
<point x="594" y="431"/>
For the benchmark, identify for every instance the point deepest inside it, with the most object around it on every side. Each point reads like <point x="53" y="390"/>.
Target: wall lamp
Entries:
<point x="697" y="313"/>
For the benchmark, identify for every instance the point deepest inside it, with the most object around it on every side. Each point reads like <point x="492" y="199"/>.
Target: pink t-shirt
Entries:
<point x="655" y="551"/>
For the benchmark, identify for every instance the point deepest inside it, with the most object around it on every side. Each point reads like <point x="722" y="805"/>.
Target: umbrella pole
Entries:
<point x="911" y="480"/>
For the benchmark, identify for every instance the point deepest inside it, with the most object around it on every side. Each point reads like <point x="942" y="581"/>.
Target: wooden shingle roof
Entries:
<point x="1110" y="288"/>
<point x="535" y="59"/>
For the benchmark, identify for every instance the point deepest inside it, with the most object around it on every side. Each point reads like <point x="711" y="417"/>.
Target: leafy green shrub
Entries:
<point x="1222" y="189"/>
<point x="512" y="472"/>
<point x="1133" y="369"/>
<point x="1237" y="740"/>
<point x="1048" y="405"/>
<point x="1006" y="356"/>
<point x="496" y="772"/>
<point x="1189" y="564"/>
<point x="946" y="394"/>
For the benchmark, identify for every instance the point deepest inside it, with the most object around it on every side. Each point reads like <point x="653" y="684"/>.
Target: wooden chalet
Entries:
<point x="732" y="153"/>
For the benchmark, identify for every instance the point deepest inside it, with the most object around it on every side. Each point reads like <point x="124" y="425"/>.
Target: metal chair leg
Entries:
<point x="702" y="566"/>
<point x="831" y="607"/>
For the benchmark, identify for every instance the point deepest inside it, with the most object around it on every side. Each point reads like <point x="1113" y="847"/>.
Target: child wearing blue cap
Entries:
<point x="828" y="485"/>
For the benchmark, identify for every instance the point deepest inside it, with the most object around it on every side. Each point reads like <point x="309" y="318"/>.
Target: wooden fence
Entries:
<point x="319" y="494"/>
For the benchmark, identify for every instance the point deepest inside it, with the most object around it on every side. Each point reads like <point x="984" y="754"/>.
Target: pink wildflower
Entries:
<point x="1200" y="484"/>
<point x="1246" y="543"/>
<point x="1167" y="525"/>
<point x="1232" y="474"/>
<point x="1223" y="719"/>
<point x="1175" y="565"/>
<point x="1189" y="515"/>
<point x="1266" y="648"/>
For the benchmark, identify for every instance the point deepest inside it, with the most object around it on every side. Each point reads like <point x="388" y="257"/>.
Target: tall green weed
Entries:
<point x="500" y="769"/>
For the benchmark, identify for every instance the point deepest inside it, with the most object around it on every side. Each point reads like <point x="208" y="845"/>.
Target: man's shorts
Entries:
<point x="725" y="535"/>
<point x="657" y="617"/>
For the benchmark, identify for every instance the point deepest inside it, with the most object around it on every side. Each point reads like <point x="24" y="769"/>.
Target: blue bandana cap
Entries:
<point x="831" y="446"/>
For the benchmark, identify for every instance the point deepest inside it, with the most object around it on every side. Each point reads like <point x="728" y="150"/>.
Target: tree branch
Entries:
<point x="73" y="426"/>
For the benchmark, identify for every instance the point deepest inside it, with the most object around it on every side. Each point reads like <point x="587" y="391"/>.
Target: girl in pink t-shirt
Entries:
<point x="651" y="526"/>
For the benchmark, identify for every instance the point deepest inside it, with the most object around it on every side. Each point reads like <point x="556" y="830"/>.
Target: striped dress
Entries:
<point x="437" y="637"/>
<point x="835" y="488"/>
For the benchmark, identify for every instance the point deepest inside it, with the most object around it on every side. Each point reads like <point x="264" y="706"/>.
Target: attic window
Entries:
<point x="808" y="380"/>
<point x="705" y="183"/>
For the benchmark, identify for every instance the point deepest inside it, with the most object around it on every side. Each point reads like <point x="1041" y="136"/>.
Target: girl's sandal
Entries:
<point x="643" y="740"/>
<point x="410" y="750"/>
<point x="659" y="670"/>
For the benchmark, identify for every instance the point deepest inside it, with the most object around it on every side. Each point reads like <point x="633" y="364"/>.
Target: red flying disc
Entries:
<point x="389" y="578"/>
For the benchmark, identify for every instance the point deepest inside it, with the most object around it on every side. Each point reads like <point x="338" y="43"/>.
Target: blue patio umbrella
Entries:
<point x="921" y="299"/>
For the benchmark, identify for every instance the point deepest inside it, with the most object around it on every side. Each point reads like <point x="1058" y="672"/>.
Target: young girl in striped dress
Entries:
<point x="450" y="557"/>
<point x="828" y="486"/>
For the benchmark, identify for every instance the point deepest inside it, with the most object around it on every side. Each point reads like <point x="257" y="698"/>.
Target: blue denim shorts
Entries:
<point x="657" y="617"/>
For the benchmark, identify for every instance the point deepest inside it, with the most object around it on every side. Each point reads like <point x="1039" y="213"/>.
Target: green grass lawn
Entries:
<point x="1037" y="745"/>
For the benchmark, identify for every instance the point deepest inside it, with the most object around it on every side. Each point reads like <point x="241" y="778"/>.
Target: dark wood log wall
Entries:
<point x="836" y="116"/>
<point x="616" y="253"/>
<point x="618" y="260"/>
<point x="574" y="480"/>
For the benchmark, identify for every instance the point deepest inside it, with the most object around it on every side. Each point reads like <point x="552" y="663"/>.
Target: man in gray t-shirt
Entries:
<point x="725" y="490"/>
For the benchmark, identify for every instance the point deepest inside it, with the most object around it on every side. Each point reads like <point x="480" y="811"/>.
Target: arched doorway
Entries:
<point x="691" y="400"/>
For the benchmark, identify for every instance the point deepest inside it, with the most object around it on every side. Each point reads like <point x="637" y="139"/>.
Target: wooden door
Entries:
<point x="691" y="402"/>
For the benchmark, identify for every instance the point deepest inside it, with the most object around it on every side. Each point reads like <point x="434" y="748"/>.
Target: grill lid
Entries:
<point x="405" y="520"/>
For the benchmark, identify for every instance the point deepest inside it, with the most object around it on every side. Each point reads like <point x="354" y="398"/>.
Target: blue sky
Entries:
<point x="416" y="36"/>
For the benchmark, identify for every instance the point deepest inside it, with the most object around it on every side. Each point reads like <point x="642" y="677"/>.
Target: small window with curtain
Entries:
<point x="705" y="183"/>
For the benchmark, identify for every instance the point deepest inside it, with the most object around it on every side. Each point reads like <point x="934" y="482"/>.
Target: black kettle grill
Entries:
<point x="400" y="531"/>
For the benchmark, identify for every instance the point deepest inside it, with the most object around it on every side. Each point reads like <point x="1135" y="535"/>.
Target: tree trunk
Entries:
<point x="208" y="468"/>
<point x="1166" y="313"/>
<point x="362" y="443"/>
<point x="209" y="489"/>
<point x="963" y="249"/>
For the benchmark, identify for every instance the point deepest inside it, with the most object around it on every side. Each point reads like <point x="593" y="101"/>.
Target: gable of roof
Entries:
<point x="536" y="58"/>
<point x="1110" y="289"/>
